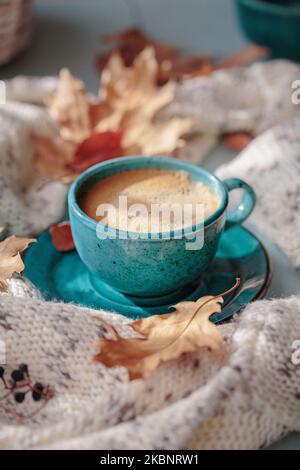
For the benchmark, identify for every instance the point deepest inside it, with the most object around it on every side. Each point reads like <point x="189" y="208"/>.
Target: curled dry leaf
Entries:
<point x="60" y="159"/>
<point x="10" y="258"/>
<point x="166" y="337"/>
<point x="62" y="237"/>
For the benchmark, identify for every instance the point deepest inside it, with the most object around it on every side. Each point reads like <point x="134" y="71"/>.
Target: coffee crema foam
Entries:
<point x="153" y="188"/>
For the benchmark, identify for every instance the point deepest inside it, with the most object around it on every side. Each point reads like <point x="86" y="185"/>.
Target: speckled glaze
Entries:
<point x="142" y="266"/>
<point x="62" y="276"/>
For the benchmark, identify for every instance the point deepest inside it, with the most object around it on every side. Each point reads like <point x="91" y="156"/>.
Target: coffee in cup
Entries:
<point x="149" y="200"/>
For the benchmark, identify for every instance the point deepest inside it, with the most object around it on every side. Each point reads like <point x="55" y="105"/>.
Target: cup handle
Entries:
<point x="242" y="211"/>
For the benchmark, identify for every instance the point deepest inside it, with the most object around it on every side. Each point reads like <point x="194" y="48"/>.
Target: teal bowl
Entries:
<point x="138" y="264"/>
<point x="272" y="23"/>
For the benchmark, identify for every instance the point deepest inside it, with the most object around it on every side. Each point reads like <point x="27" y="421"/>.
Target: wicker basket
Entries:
<point x="15" y="27"/>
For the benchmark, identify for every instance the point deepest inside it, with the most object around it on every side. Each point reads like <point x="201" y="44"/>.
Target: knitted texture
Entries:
<point x="271" y="164"/>
<point x="30" y="202"/>
<point x="251" y="99"/>
<point x="193" y="402"/>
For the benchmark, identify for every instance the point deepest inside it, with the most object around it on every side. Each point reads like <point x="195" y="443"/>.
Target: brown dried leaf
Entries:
<point x="166" y="337"/>
<point x="59" y="159"/>
<point x="132" y="95"/>
<point x="69" y="105"/>
<point x="10" y="258"/>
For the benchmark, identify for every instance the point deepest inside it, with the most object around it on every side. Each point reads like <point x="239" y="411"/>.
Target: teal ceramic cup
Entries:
<point x="272" y="23"/>
<point x="138" y="264"/>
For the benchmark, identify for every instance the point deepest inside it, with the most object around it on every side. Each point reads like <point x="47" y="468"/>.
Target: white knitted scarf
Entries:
<point x="249" y="402"/>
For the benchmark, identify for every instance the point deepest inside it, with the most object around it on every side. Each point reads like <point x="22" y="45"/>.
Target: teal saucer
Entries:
<point x="63" y="276"/>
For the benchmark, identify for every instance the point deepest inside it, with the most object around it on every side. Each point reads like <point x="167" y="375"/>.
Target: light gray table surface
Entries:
<point x="67" y="33"/>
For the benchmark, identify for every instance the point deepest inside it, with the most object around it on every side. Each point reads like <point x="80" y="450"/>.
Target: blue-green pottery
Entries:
<point x="143" y="266"/>
<point x="64" y="277"/>
<point x="272" y="23"/>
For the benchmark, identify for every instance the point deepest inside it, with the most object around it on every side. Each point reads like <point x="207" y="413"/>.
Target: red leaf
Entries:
<point x="97" y="148"/>
<point x="237" y="141"/>
<point x="62" y="237"/>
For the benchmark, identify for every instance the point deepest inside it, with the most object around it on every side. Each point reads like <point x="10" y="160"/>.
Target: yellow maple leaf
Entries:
<point x="10" y="258"/>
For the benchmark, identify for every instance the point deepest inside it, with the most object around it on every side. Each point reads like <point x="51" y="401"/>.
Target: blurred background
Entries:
<point x="67" y="32"/>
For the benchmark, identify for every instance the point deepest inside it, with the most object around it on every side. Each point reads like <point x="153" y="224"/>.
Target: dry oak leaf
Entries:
<point x="69" y="105"/>
<point x="165" y="337"/>
<point x="134" y="99"/>
<point x="10" y="258"/>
